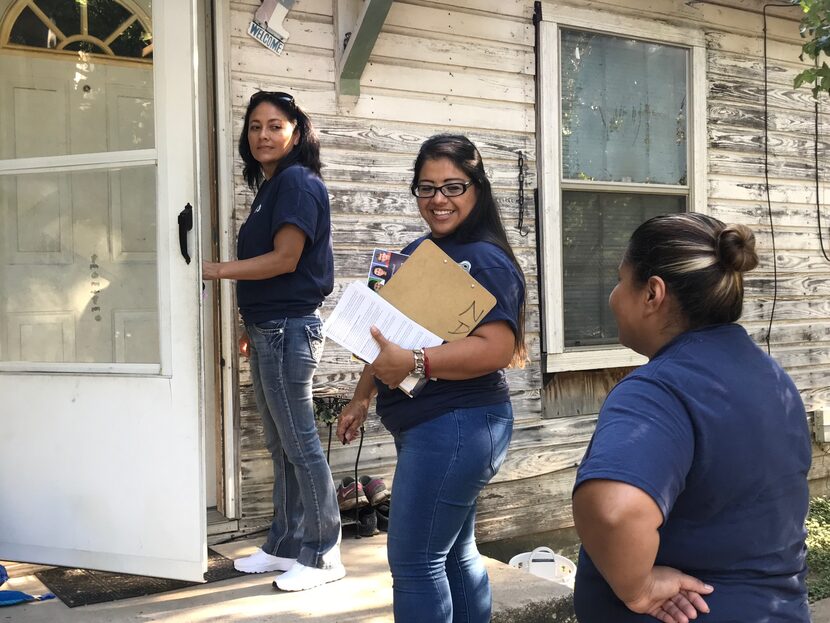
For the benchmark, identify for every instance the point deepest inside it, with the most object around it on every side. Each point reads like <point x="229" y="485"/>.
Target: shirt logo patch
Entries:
<point x="465" y="265"/>
<point x="258" y="208"/>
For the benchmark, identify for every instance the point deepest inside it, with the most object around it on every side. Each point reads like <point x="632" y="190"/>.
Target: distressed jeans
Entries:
<point x="443" y="464"/>
<point x="306" y="524"/>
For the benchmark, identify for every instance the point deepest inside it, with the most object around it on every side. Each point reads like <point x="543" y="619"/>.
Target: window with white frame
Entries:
<point x="622" y="140"/>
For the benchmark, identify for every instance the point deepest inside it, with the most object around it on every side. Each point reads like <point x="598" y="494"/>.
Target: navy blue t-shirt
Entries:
<point x="715" y="432"/>
<point x="294" y="196"/>
<point x="491" y="267"/>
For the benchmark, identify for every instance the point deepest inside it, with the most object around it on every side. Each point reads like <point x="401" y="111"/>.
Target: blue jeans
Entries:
<point x="443" y="464"/>
<point x="306" y="524"/>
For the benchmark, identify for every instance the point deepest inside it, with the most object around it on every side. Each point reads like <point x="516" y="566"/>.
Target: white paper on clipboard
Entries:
<point x="360" y="308"/>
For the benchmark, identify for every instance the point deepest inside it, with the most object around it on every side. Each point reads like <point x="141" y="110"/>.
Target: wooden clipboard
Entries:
<point x="434" y="291"/>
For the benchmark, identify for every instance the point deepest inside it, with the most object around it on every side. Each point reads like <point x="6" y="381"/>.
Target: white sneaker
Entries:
<point x="261" y="562"/>
<point x="301" y="578"/>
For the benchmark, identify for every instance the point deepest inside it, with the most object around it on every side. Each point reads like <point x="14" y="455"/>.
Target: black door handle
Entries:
<point x="185" y="225"/>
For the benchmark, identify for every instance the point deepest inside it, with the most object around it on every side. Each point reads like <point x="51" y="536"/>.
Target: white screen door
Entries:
<point x="101" y="457"/>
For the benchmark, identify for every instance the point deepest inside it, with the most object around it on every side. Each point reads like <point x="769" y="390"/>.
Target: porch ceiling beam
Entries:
<point x="361" y="43"/>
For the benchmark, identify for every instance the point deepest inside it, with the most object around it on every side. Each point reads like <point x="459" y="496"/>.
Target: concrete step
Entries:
<point x="364" y="595"/>
<point x="820" y="611"/>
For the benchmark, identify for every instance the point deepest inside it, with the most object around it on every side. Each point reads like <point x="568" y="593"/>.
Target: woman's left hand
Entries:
<point x="393" y="364"/>
<point x="210" y="271"/>
<point x="671" y="596"/>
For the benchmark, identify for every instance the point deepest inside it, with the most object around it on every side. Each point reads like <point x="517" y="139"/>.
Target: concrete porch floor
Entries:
<point x="364" y="595"/>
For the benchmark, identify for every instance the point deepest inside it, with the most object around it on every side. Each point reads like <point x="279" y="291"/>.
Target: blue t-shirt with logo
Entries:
<point x="298" y="197"/>
<point x="715" y="432"/>
<point x="492" y="268"/>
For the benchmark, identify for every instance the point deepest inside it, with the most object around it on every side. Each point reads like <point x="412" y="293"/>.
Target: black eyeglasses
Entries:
<point x="279" y="95"/>
<point x="453" y="189"/>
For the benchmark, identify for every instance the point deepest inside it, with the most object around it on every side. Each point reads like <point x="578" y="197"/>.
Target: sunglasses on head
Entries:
<point x="279" y="95"/>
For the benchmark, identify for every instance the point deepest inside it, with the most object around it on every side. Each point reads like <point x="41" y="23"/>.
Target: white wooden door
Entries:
<point x="101" y="444"/>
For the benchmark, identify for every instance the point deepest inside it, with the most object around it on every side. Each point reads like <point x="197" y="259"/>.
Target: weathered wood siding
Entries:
<point x="468" y="66"/>
<point x="800" y="337"/>
<point x="464" y="67"/>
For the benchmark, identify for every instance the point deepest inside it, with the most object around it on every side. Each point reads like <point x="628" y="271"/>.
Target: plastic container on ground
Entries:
<point x="545" y="563"/>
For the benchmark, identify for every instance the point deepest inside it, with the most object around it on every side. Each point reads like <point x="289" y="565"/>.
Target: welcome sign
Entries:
<point x="267" y="25"/>
<point x="267" y="38"/>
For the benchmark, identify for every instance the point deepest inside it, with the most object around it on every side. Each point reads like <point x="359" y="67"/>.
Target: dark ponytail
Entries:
<point x="484" y="222"/>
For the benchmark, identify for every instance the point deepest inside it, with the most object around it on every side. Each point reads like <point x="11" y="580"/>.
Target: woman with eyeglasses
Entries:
<point x="453" y="436"/>
<point x="284" y="270"/>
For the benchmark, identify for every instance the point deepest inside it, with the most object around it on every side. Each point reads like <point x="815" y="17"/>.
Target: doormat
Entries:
<point x="84" y="587"/>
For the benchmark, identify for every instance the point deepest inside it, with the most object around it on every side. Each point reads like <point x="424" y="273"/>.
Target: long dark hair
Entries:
<point x="484" y="222"/>
<point x="307" y="151"/>
<point x="701" y="260"/>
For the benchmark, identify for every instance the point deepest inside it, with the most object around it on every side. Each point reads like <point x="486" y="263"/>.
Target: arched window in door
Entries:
<point x="104" y="28"/>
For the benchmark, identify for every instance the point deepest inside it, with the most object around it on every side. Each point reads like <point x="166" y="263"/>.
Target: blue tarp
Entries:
<point x="10" y="598"/>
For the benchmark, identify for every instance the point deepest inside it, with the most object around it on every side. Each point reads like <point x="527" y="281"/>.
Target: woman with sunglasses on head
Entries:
<point x="284" y="271"/>
<point x="690" y="501"/>
<point x="452" y="437"/>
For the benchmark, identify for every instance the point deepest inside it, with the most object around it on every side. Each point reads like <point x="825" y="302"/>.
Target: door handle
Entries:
<point x="185" y="225"/>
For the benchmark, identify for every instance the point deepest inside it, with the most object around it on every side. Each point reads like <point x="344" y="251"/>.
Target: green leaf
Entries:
<point x="808" y="75"/>
<point x="815" y="29"/>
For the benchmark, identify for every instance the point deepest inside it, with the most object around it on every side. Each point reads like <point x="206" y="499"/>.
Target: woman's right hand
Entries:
<point x="351" y="418"/>
<point x="671" y="596"/>
<point x="244" y="345"/>
<point x="210" y="270"/>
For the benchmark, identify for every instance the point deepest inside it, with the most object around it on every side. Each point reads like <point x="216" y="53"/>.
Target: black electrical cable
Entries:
<point x="766" y="182"/>
<point x="356" y="482"/>
<point x="523" y="231"/>
<point x="818" y="185"/>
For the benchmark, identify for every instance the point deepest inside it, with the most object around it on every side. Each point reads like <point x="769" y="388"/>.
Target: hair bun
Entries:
<point x="736" y="248"/>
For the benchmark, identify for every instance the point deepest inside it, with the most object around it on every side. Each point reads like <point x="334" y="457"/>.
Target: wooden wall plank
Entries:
<point x="723" y="163"/>
<point x="796" y="333"/>
<point x="752" y="44"/>
<point x="750" y="118"/>
<point x="316" y="98"/>
<point x="390" y="137"/>
<point x="750" y="67"/>
<point x="816" y="398"/>
<point x="513" y="8"/>
<point x="294" y="63"/>
<point x="756" y="214"/>
<point x="525" y="506"/>
<point x="570" y="394"/>
<point x="808" y="285"/>
<point x="307" y="7"/>
<point x="801" y="239"/>
<point x="754" y="189"/>
<point x="375" y="103"/>
<point x="787" y="308"/>
<point x="469" y="67"/>
<point x="779" y="144"/>
<point x="403" y="44"/>
<point x="745" y="92"/>
<point x="497" y="86"/>
<point x="456" y="23"/>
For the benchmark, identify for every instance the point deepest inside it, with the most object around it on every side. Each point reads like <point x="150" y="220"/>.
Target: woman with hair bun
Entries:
<point x="691" y="499"/>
